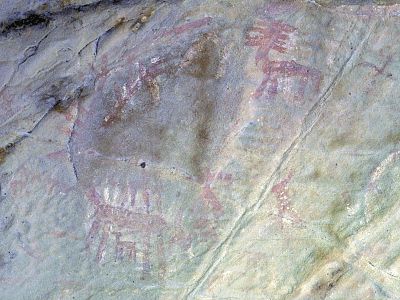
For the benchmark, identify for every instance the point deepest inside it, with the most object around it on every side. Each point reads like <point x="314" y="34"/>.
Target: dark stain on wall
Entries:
<point x="29" y="20"/>
<point x="202" y="62"/>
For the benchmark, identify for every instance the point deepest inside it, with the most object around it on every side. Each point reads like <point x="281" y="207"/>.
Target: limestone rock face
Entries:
<point x="199" y="149"/>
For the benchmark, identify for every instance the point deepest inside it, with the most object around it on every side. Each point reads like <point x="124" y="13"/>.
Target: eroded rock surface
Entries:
<point x="199" y="149"/>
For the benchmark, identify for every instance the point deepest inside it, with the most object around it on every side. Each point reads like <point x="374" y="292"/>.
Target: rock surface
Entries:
<point x="199" y="149"/>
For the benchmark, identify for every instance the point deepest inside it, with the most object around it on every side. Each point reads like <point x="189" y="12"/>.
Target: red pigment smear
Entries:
<point x="281" y="192"/>
<point x="188" y="26"/>
<point x="208" y="194"/>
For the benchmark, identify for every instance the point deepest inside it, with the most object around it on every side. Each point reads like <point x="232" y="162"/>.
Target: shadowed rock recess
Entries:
<point x="194" y="149"/>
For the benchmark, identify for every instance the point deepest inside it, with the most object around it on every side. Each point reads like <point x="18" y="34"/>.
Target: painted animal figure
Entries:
<point x="275" y="70"/>
<point x="147" y="78"/>
<point x="271" y="35"/>
<point x="134" y="231"/>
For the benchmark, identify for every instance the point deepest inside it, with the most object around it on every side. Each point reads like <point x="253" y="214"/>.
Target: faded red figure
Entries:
<point x="147" y="78"/>
<point x="147" y="73"/>
<point x="134" y="224"/>
<point x="274" y="36"/>
<point x="275" y="9"/>
<point x="379" y="71"/>
<point x="127" y="221"/>
<point x="187" y="27"/>
<point x="208" y="194"/>
<point x="281" y="192"/>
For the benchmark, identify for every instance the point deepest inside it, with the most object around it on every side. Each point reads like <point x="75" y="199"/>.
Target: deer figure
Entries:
<point x="274" y="36"/>
<point x="134" y="227"/>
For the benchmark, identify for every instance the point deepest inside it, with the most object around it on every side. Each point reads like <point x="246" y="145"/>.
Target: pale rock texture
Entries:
<point x="195" y="149"/>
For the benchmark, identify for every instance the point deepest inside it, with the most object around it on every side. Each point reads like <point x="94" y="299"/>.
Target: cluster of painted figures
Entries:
<point x="124" y="219"/>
